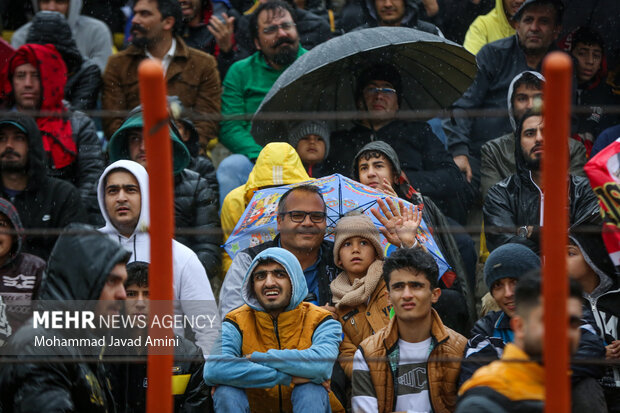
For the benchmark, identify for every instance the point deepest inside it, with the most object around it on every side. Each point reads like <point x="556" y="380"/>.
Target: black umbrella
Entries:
<point x="435" y="72"/>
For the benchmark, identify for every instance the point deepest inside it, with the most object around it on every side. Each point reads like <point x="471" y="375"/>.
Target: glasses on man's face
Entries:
<point x="372" y="91"/>
<point x="300" y="216"/>
<point x="286" y="26"/>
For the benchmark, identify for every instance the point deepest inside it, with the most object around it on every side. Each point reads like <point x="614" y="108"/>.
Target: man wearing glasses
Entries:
<point x="424" y="160"/>
<point x="275" y="36"/>
<point x="301" y="227"/>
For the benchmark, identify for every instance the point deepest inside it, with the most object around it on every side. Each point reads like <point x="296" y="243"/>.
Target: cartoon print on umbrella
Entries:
<point x="342" y="195"/>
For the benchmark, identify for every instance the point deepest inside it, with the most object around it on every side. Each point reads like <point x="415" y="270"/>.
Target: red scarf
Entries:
<point x="55" y="131"/>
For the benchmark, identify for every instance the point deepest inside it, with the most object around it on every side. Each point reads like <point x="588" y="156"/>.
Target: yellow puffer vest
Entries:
<point x="292" y="330"/>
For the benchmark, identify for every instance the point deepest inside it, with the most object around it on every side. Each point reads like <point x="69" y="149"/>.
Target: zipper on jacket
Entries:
<point x="275" y="329"/>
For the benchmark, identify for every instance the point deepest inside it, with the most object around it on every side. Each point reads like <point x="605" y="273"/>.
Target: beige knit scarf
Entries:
<point x="346" y="295"/>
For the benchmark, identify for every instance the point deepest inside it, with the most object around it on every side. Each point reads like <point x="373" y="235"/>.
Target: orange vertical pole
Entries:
<point x="557" y="68"/>
<point x="159" y="159"/>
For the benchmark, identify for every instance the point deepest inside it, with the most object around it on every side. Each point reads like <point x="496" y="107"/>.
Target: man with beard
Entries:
<point x="275" y="36"/>
<point x="513" y="207"/>
<point x="41" y="201"/>
<point x="506" y="386"/>
<point x="190" y="74"/>
<point x="538" y="23"/>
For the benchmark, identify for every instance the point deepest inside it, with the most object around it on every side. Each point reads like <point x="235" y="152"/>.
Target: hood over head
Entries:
<point x="511" y="114"/>
<point x="381" y="147"/>
<point x="75" y="9"/>
<point x="292" y="267"/>
<point x="118" y="147"/>
<point x="68" y="278"/>
<point x="52" y="74"/>
<point x="595" y="254"/>
<point x="52" y="27"/>
<point x="521" y="165"/>
<point x="277" y="164"/>
<point x="9" y="210"/>
<point x="142" y="177"/>
<point x="36" y="164"/>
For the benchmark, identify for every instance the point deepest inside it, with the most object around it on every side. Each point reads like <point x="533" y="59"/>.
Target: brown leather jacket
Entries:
<point x="442" y="375"/>
<point x="192" y="76"/>
<point x="361" y="322"/>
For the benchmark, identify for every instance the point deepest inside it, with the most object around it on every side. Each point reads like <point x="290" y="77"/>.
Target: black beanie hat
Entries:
<point x="509" y="261"/>
<point x="380" y="71"/>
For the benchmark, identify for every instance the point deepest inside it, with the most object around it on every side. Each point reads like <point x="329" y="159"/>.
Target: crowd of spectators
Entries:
<point x="307" y="324"/>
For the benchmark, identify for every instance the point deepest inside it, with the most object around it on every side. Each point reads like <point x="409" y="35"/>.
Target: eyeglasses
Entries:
<point x="262" y="275"/>
<point x="376" y="90"/>
<point x="286" y="26"/>
<point x="300" y="216"/>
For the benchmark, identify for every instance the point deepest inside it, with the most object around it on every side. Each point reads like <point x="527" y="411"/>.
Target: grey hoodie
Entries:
<point x="93" y="38"/>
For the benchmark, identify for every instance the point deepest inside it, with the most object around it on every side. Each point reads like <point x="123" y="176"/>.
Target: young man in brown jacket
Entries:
<point x="410" y="364"/>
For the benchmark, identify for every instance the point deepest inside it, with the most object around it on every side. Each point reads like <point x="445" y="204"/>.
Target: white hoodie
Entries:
<point x="192" y="292"/>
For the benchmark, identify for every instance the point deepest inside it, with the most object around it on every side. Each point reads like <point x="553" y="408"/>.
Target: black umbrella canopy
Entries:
<point x="435" y="72"/>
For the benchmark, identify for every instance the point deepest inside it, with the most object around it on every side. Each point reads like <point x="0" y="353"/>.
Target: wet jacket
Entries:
<point x="192" y="76"/>
<point x="505" y="387"/>
<point x="199" y="163"/>
<point x="230" y="294"/>
<point x="517" y="201"/>
<point x="488" y="28"/>
<point x="492" y="333"/>
<point x="410" y="19"/>
<point x="245" y="86"/>
<point x="129" y="382"/>
<point x="380" y="352"/>
<point x="20" y="274"/>
<point x="92" y="36"/>
<point x="361" y="322"/>
<point x="277" y="164"/>
<point x="5" y="327"/>
<point x="302" y="341"/>
<point x="83" y="75"/>
<point x="195" y="207"/>
<point x="76" y="386"/>
<point x="498" y="160"/>
<point x="46" y="203"/>
<point x="191" y="289"/>
<point x="195" y="204"/>
<point x="424" y="160"/>
<point x="73" y="152"/>
<point x="498" y="64"/>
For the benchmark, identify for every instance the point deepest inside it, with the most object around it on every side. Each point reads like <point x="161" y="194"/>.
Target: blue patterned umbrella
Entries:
<point x="342" y="195"/>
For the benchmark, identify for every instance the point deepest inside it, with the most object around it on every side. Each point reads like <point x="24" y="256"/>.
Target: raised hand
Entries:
<point x="398" y="228"/>
<point x="222" y="31"/>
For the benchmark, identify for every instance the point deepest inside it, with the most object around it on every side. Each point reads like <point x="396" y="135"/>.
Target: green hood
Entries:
<point x="118" y="147"/>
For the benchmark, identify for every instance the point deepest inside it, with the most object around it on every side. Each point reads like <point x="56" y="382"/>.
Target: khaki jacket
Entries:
<point x="192" y="76"/>
<point x="361" y="322"/>
<point x="442" y="375"/>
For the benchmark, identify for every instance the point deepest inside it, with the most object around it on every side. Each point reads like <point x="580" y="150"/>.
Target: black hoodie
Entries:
<point x="516" y="201"/>
<point x="20" y="274"/>
<point x="78" y="269"/>
<point x="605" y="299"/>
<point x="46" y="203"/>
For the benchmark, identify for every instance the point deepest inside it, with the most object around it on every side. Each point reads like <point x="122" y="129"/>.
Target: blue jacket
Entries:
<point x="274" y="367"/>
